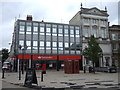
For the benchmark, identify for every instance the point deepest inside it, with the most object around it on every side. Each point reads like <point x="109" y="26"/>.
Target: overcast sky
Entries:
<point x="59" y="11"/>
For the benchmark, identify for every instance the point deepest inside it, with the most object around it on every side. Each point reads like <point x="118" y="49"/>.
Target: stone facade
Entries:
<point x="94" y="22"/>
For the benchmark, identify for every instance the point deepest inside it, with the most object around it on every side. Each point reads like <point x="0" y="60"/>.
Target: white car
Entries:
<point x="6" y="66"/>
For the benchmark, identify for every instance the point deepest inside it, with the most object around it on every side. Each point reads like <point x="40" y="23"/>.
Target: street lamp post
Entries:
<point x="22" y="61"/>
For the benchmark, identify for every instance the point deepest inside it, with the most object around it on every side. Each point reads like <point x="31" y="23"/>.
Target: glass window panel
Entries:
<point x="71" y="27"/>
<point x="35" y="43"/>
<point x="77" y="35"/>
<point x="35" y="24"/>
<point x="60" y="26"/>
<point x="54" y="30"/>
<point x="28" y="48"/>
<point x="22" y="28"/>
<point x="48" y="44"/>
<point x="41" y="29"/>
<point x="119" y="36"/>
<point x="28" y="23"/>
<point x="71" y="31"/>
<point x="42" y="48"/>
<point x="28" y="28"/>
<point x="77" y="27"/>
<point x="86" y="31"/>
<point x="66" y="31"/>
<point x="41" y="24"/>
<point x="48" y="25"/>
<point x="66" y="45"/>
<point x="28" y="43"/>
<point x="94" y="31"/>
<point x="48" y="30"/>
<point x="22" y="23"/>
<point x="21" y="42"/>
<point x="114" y="37"/>
<point x="54" y="44"/>
<point x="41" y="43"/>
<point x="21" y="32"/>
<point x="65" y="26"/>
<point x="77" y="32"/>
<point x="35" y="48"/>
<point x="54" y="26"/>
<point x="35" y="29"/>
<point x="60" y="30"/>
<point x="60" y="44"/>
<point x="28" y="32"/>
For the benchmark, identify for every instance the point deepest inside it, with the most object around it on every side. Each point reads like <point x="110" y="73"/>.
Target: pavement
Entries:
<point x="58" y="79"/>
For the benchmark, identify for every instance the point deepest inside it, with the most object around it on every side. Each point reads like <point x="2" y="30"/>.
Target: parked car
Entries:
<point x="106" y="69"/>
<point x="6" y="66"/>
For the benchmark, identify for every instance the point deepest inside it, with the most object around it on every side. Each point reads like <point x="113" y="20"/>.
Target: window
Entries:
<point x="41" y="29"/>
<point x="47" y="30"/>
<point x="21" y="42"/>
<point x="54" y="30"/>
<point x="22" y="23"/>
<point x="54" y="44"/>
<point x="66" y="31"/>
<point x="28" y="43"/>
<point x="71" y="31"/>
<point x="113" y="36"/>
<point x="42" y="43"/>
<point x="35" y="29"/>
<point x="66" y="45"/>
<point x="60" y="44"/>
<point x="48" y="44"/>
<point x="95" y="21"/>
<point x="22" y="28"/>
<point x="94" y="31"/>
<point x="28" y="32"/>
<point x="114" y="46"/>
<point x="86" y="31"/>
<point x="86" y="20"/>
<point x="29" y="28"/>
<point x="60" y="30"/>
<point x="103" y="33"/>
<point x="77" y="32"/>
<point x="35" y="43"/>
<point x="118" y="36"/>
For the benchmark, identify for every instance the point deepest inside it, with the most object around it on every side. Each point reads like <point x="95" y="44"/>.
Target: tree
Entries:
<point x="5" y="54"/>
<point x="93" y="51"/>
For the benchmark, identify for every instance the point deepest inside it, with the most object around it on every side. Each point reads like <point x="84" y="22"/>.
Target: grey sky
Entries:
<point x="59" y="11"/>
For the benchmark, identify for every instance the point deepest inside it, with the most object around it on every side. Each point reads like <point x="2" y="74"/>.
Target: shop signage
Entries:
<point x="42" y="57"/>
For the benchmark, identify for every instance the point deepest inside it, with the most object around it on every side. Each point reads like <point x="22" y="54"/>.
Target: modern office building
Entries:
<point x="115" y="41"/>
<point x="36" y="42"/>
<point x="94" y="21"/>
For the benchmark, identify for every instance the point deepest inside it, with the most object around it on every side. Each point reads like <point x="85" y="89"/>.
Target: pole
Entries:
<point x="42" y="76"/>
<point x="19" y="70"/>
<point x="57" y="63"/>
<point x="3" y="71"/>
<point x="23" y="62"/>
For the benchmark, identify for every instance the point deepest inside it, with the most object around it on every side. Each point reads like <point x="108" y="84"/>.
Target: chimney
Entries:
<point x="29" y="17"/>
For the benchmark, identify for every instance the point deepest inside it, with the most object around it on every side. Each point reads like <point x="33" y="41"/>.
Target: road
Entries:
<point x="6" y="86"/>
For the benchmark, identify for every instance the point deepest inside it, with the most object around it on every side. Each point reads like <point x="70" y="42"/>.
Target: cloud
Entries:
<point x="48" y="10"/>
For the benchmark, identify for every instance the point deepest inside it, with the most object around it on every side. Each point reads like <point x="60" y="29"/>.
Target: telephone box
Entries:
<point x="71" y="66"/>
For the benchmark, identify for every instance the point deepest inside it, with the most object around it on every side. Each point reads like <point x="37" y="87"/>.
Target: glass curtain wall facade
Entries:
<point x="49" y="38"/>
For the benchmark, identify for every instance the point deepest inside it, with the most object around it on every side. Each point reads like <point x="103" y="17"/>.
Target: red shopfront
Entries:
<point x="49" y="60"/>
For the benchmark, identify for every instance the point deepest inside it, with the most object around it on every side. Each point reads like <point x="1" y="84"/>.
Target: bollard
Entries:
<point x="42" y="76"/>
<point x="3" y="71"/>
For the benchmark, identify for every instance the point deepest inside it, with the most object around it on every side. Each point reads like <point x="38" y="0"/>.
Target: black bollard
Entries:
<point x="3" y="71"/>
<point x="42" y="76"/>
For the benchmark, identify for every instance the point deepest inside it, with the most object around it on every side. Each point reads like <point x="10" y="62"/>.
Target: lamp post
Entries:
<point x="19" y="64"/>
<point x="23" y="52"/>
